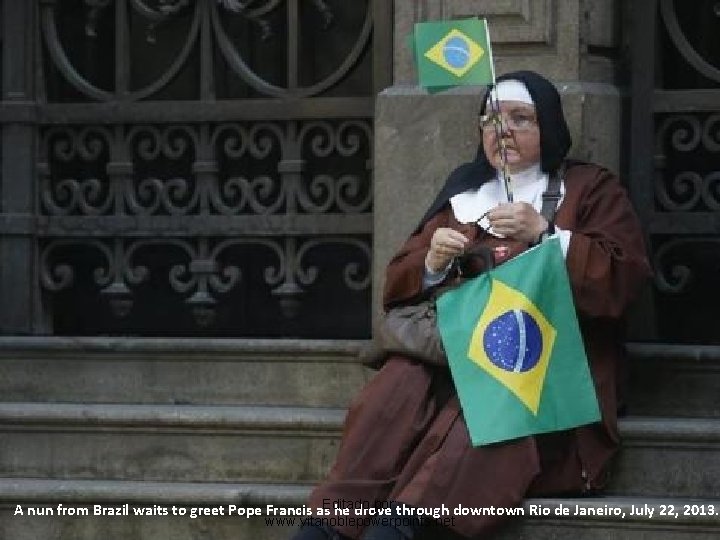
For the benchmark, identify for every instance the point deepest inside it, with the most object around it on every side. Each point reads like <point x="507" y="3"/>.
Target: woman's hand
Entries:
<point x="517" y="220"/>
<point x="445" y="244"/>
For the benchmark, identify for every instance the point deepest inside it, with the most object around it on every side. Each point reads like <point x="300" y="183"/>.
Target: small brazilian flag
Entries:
<point x="515" y="349"/>
<point x="453" y="53"/>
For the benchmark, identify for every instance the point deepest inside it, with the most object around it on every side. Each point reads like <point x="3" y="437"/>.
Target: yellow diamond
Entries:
<point x="456" y="53"/>
<point x="527" y="385"/>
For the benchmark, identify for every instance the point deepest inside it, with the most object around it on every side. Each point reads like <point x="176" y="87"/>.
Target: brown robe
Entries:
<point x="405" y="438"/>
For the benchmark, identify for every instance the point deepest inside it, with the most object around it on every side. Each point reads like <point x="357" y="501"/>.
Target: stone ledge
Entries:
<point x="673" y="380"/>
<point x="705" y="355"/>
<point x="662" y="431"/>
<point x="180" y="348"/>
<point x="42" y="416"/>
<point x="30" y="490"/>
<point x="79" y="347"/>
<point x="563" y="87"/>
<point x="236" y="419"/>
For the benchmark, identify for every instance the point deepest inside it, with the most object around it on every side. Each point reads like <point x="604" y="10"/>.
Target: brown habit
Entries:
<point x="405" y="438"/>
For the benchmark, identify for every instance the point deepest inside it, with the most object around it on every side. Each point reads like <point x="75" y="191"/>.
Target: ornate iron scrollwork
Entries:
<point x="160" y="171"/>
<point x="200" y="277"/>
<point x="155" y="13"/>
<point x="686" y="136"/>
<point x="693" y="187"/>
<point x="242" y="68"/>
<point x="675" y="277"/>
<point x="222" y="208"/>
<point x="74" y="150"/>
<point x="150" y="147"/>
<point x="667" y="9"/>
<point x="254" y="10"/>
<point x="163" y="12"/>
<point x="681" y="135"/>
<point x="95" y="8"/>
<point x="61" y="57"/>
<point x="349" y="193"/>
<point x="186" y="172"/>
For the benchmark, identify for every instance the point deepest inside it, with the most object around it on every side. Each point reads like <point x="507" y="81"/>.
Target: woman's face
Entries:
<point x="520" y="132"/>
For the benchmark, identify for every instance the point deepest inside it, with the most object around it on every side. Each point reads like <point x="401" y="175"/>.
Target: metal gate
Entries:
<point x="676" y="159"/>
<point x="190" y="167"/>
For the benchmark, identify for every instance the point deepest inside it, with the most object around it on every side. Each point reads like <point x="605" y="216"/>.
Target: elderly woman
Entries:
<point x="405" y="441"/>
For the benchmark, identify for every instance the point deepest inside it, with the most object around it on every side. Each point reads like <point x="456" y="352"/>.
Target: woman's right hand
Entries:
<point x="445" y="244"/>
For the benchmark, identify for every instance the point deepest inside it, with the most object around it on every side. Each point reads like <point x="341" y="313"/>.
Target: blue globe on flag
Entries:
<point x="456" y="52"/>
<point x="513" y="341"/>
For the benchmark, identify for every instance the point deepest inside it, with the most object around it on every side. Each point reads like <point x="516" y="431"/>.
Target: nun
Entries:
<point x="405" y="444"/>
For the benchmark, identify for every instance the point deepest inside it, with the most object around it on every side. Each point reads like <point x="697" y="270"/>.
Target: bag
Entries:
<point x="411" y="330"/>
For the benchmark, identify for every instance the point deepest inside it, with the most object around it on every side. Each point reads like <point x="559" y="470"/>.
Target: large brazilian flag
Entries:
<point x="453" y="53"/>
<point x="515" y="349"/>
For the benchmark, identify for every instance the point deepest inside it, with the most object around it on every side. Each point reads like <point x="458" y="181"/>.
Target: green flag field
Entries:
<point x="515" y="350"/>
<point x="453" y="53"/>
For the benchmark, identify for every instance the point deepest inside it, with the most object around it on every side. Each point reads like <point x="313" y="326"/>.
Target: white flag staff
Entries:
<point x="497" y="121"/>
<point x="494" y="102"/>
<point x="506" y="90"/>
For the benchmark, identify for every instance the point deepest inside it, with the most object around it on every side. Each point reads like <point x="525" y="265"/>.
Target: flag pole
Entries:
<point x="495" y="108"/>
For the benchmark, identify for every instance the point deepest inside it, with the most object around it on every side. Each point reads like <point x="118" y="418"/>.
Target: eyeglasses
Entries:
<point x="516" y="121"/>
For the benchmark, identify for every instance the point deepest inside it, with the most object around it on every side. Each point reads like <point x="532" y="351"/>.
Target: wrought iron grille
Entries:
<point x="205" y="167"/>
<point x="677" y="164"/>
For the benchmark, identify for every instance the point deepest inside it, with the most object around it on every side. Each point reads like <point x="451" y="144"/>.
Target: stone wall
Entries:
<point x="420" y="138"/>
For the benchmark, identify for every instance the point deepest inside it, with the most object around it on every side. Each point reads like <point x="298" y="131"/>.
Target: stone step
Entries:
<point x="674" y="380"/>
<point x="193" y="371"/>
<point x="660" y="456"/>
<point x="168" y="442"/>
<point x="697" y="519"/>
<point x="668" y="456"/>
<point x="665" y="380"/>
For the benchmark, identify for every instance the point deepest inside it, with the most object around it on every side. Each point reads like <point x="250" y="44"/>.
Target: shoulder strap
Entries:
<point x="552" y="195"/>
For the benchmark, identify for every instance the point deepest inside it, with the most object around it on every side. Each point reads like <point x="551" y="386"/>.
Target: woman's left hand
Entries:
<point x="519" y="221"/>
